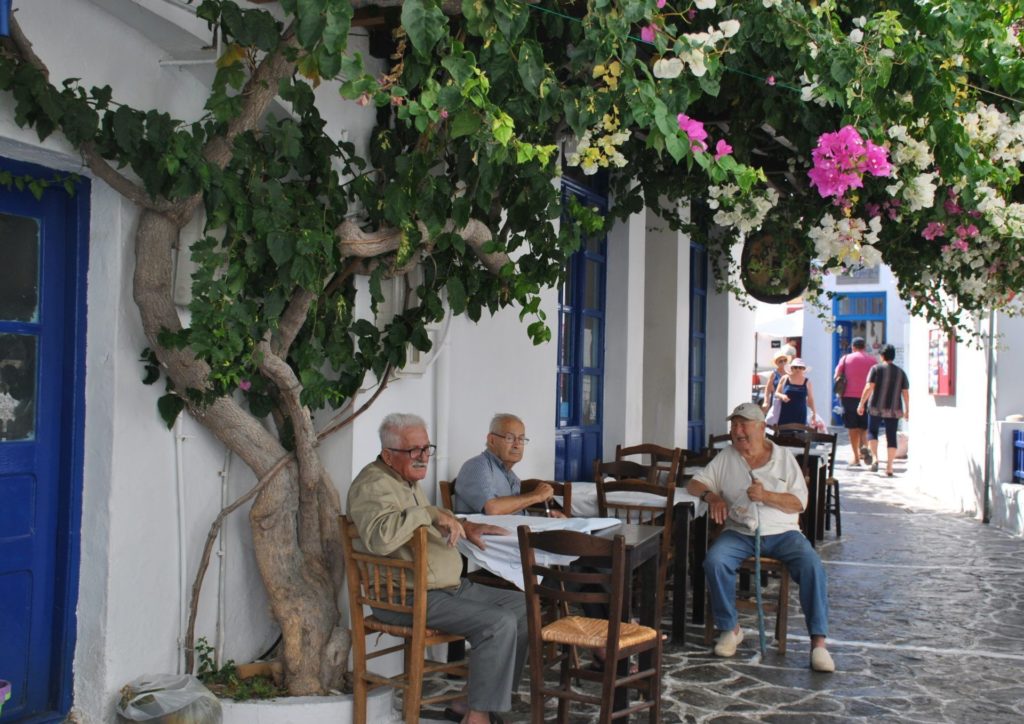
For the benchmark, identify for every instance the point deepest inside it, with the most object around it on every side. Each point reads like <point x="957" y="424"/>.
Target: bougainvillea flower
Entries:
<point x="722" y="148"/>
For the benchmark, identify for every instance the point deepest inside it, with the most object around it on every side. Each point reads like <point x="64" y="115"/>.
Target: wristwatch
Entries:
<point x="704" y="496"/>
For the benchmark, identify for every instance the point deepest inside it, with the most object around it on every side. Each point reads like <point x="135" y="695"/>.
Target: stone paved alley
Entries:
<point x="927" y="625"/>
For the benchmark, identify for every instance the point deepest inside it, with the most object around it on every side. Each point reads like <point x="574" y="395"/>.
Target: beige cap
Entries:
<point x="748" y="411"/>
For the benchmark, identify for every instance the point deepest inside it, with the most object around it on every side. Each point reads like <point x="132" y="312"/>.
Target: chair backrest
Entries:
<point x="383" y="582"/>
<point x="656" y="510"/>
<point x="713" y="440"/>
<point x="563" y="490"/>
<point x="619" y="470"/>
<point x="831" y="440"/>
<point x="798" y="438"/>
<point x="600" y="581"/>
<point x="664" y="462"/>
<point x="447" y="489"/>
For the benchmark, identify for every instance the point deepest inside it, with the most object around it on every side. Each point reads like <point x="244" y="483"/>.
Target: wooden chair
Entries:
<point x="713" y="440"/>
<point x="799" y="438"/>
<point x="831" y="481"/>
<point x="619" y="470"/>
<point x="602" y="585"/>
<point x="446" y="488"/>
<point x="395" y="585"/>
<point x="746" y="599"/>
<point x="563" y="490"/>
<point x="658" y="512"/>
<point x="664" y="461"/>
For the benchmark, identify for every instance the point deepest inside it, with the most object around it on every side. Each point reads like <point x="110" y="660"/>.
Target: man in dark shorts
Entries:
<point x="856" y="366"/>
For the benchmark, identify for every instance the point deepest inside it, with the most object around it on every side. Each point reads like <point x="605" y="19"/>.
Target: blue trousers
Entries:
<point x="793" y="549"/>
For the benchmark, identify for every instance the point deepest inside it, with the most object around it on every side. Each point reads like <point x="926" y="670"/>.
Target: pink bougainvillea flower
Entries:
<point x="770" y="80"/>
<point x="661" y="3"/>
<point x="934" y="229"/>
<point x="960" y="244"/>
<point x="876" y="160"/>
<point x="245" y="385"/>
<point x="444" y="113"/>
<point x="842" y="158"/>
<point x="647" y="33"/>
<point x="967" y="232"/>
<point x="722" y="149"/>
<point x="694" y="130"/>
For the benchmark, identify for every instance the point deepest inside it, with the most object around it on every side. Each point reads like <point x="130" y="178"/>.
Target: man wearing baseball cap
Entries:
<point x="756" y="485"/>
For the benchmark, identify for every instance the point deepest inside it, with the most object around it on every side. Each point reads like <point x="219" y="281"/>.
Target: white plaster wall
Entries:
<point x="624" y="333"/>
<point x="947" y="446"/>
<point x="495" y="367"/>
<point x="666" y="291"/>
<point x="730" y="351"/>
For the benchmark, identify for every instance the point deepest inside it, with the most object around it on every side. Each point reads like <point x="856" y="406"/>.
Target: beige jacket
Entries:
<point x="386" y="510"/>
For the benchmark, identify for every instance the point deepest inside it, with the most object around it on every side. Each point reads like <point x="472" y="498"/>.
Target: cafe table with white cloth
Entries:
<point x="500" y="554"/>
<point x="687" y="507"/>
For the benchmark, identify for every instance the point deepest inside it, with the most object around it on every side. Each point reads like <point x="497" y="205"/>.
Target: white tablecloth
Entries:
<point x="584" y="499"/>
<point x="501" y="554"/>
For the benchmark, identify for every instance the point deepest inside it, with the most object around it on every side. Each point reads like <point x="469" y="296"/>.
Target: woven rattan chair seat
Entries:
<point x="593" y="632"/>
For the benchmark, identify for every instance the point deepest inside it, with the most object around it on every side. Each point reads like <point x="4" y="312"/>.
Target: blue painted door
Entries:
<point x="580" y="384"/>
<point x="697" y="384"/>
<point x="40" y="371"/>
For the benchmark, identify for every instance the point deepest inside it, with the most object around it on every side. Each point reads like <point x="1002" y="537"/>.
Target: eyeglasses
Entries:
<point x="510" y="438"/>
<point x="416" y="453"/>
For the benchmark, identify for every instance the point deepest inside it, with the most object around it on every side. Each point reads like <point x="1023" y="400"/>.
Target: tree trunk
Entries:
<point x="301" y="568"/>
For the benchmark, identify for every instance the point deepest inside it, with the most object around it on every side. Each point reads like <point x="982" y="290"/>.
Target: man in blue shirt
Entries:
<point x="486" y="483"/>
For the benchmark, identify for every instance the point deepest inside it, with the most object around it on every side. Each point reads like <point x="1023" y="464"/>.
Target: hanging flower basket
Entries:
<point x="775" y="268"/>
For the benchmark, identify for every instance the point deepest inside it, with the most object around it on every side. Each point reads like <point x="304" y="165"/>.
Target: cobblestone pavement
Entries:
<point x="927" y="625"/>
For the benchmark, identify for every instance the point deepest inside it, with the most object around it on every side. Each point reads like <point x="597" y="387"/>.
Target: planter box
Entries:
<point x="309" y="709"/>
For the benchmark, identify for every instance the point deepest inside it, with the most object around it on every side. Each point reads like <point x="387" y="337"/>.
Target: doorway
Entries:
<point x="43" y="238"/>
<point x="579" y="394"/>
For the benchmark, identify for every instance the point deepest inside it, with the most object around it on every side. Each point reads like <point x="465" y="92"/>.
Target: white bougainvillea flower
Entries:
<point x="729" y="27"/>
<point x="668" y="68"/>
<point x="704" y="4"/>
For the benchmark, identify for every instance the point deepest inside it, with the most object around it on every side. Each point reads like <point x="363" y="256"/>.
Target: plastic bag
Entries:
<point x="168" y="699"/>
<point x="814" y="420"/>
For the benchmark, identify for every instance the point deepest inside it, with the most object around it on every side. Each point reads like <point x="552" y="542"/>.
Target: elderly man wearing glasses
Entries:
<point x="486" y="483"/>
<point x="387" y="504"/>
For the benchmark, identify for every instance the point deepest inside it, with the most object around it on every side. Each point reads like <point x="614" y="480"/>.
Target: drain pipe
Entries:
<point x="179" y="489"/>
<point x="222" y="610"/>
<point x="986" y="511"/>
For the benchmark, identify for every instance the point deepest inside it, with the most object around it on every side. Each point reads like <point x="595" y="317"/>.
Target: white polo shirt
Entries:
<point x="729" y="476"/>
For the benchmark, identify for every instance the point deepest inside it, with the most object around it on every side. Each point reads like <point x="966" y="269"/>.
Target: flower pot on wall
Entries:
<point x="774" y="268"/>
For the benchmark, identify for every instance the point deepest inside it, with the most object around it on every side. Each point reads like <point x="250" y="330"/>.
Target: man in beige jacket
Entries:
<point x="387" y="504"/>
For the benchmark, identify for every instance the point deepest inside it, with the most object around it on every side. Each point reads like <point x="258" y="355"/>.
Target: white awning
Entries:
<point x="791" y="325"/>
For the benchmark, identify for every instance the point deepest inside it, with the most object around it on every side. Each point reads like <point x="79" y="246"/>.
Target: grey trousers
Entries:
<point x="493" y="620"/>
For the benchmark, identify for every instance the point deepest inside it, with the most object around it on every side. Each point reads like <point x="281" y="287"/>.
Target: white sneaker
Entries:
<point x="821" y="660"/>
<point x="727" y="643"/>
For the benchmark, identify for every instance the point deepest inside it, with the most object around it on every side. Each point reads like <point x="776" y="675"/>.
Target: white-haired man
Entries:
<point x="755" y="484"/>
<point x="486" y="483"/>
<point x="387" y="504"/>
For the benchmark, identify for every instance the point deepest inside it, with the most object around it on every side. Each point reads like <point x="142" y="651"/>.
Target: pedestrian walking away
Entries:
<point x="854" y="367"/>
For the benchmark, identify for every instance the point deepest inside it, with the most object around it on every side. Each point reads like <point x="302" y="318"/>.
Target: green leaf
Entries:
<point x="311" y="22"/>
<point x="464" y="123"/>
<point x="281" y="246"/>
<point x="456" y="295"/>
<point x="531" y="66"/>
<point x="425" y="24"/>
<point x="170" y="406"/>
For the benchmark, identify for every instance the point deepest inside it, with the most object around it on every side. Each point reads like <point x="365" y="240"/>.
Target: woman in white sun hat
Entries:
<point x="796" y="394"/>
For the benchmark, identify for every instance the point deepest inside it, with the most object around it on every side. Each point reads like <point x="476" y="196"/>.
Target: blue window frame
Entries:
<point x="579" y="390"/>
<point x="697" y="385"/>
